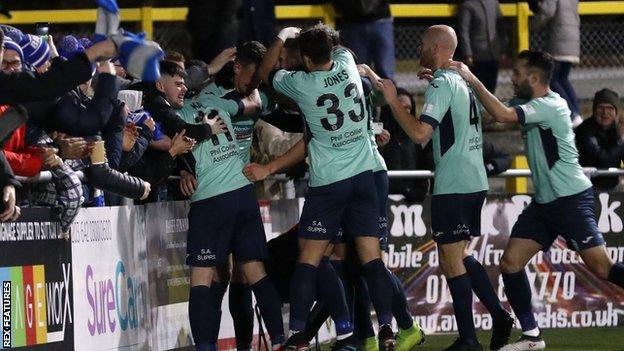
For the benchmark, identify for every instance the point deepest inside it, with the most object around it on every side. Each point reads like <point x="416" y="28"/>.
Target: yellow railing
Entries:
<point x="148" y="15"/>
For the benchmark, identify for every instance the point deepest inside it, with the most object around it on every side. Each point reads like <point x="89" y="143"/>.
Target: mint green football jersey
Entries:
<point x="454" y="113"/>
<point x="380" y="163"/>
<point x="218" y="167"/>
<point x="333" y="106"/>
<point x="550" y="148"/>
<point x="244" y="126"/>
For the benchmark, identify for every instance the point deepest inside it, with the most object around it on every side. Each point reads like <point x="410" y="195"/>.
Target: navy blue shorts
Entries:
<point x="224" y="224"/>
<point x="381" y="184"/>
<point x="573" y="217"/>
<point x="351" y="202"/>
<point x="456" y="217"/>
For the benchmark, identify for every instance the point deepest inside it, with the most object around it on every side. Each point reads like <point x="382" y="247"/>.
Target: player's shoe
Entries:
<point x="387" y="341"/>
<point x="526" y="343"/>
<point x="348" y="344"/>
<point x="459" y="345"/>
<point x="501" y="331"/>
<point x="370" y="344"/>
<point x="297" y="342"/>
<point x="408" y="339"/>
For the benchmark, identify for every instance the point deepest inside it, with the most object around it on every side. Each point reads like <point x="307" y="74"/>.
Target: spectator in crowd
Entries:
<point x="482" y="39"/>
<point x="65" y="192"/>
<point x="162" y="99"/>
<point x="28" y="161"/>
<point x="496" y="160"/>
<point x="36" y="52"/>
<point x="366" y="27"/>
<point x="213" y="26"/>
<point x="401" y="153"/>
<point x="198" y="73"/>
<point x="175" y="57"/>
<point x="22" y="87"/>
<point x="560" y="19"/>
<point x="600" y="138"/>
<point x="257" y="21"/>
<point x="166" y="95"/>
<point x="101" y="116"/>
<point x="13" y="59"/>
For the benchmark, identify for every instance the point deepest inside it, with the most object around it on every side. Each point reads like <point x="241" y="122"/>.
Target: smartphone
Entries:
<point x="42" y="30"/>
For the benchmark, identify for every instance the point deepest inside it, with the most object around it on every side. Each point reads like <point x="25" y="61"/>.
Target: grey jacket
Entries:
<point x="481" y="30"/>
<point x="562" y="23"/>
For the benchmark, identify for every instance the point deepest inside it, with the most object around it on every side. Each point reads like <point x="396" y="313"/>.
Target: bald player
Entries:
<point x="451" y="117"/>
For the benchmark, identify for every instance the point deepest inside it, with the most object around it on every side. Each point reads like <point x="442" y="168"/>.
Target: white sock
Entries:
<point x="533" y="332"/>
<point x="344" y="336"/>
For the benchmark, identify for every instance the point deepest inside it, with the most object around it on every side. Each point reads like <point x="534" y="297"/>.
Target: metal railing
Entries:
<point x="46" y="176"/>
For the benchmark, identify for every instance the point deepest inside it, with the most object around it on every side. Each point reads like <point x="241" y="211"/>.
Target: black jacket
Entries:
<point x="496" y="160"/>
<point x="28" y="86"/>
<point x="170" y="121"/>
<point x="401" y="153"/>
<point x="105" y="178"/>
<point x="78" y="115"/>
<point x="601" y="149"/>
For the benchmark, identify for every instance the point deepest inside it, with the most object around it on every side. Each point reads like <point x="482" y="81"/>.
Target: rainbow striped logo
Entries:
<point x="28" y="304"/>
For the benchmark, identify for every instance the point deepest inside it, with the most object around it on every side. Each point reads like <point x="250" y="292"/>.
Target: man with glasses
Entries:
<point x="600" y="138"/>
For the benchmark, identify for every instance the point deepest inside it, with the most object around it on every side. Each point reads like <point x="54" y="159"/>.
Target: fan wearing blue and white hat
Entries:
<point x="36" y="52"/>
<point x="13" y="59"/>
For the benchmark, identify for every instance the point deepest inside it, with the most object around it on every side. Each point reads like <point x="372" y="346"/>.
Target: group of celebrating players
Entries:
<point x="344" y="211"/>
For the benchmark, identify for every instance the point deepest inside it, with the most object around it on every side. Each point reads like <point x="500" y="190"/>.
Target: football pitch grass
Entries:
<point x="584" y="339"/>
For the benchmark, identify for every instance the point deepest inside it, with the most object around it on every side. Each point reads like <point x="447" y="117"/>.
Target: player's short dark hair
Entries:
<point x="171" y="69"/>
<point x="292" y="44"/>
<point x="317" y="43"/>
<point x="174" y="56"/>
<point x="251" y="52"/>
<point x="539" y="61"/>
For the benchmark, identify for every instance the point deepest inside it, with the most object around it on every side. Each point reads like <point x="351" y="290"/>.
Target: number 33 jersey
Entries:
<point x="334" y="108"/>
<point x="455" y="116"/>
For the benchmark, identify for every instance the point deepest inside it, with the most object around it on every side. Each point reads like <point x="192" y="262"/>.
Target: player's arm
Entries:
<point x="272" y="56"/>
<point x="497" y="109"/>
<point x="417" y="130"/>
<point x="256" y="172"/>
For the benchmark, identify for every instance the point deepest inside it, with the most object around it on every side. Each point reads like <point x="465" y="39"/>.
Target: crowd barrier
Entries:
<point x="517" y="181"/>
<point x="121" y="282"/>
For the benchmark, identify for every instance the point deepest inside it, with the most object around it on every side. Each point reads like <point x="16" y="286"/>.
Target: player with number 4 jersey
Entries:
<point x="452" y="118"/>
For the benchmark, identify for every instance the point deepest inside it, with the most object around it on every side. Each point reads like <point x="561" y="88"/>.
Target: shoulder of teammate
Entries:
<point x="232" y="103"/>
<point x="438" y="97"/>
<point x="190" y="110"/>
<point x="342" y="54"/>
<point x="286" y="82"/>
<point x="538" y="110"/>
